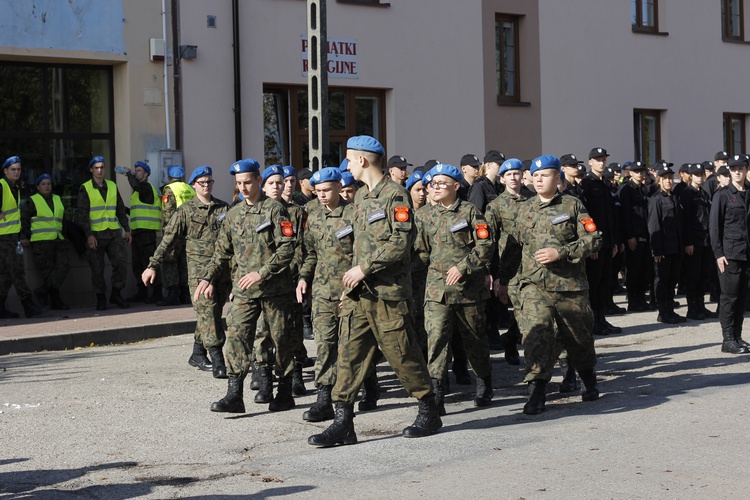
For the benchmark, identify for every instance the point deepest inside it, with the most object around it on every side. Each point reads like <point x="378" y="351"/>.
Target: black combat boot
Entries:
<point x="341" y="431"/>
<point x="695" y="311"/>
<point x="730" y="343"/>
<point x="738" y="338"/>
<point x="707" y="312"/>
<point x="184" y="295"/>
<point x="599" y="327"/>
<point x="284" y="400"/>
<point x="172" y="298"/>
<point x="428" y="419"/>
<point x="155" y="295"/>
<point x="55" y="301"/>
<point x="42" y="296"/>
<point x="141" y="295"/>
<point x="265" y="391"/>
<point x="590" y="389"/>
<point x="510" y="343"/>
<point x="116" y="298"/>
<point x="484" y="391"/>
<point x="537" y="398"/>
<point x="254" y="377"/>
<point x="217" y="361"/>
<point x="199" y="358"/>
<point x="370" y="393"/>
<point x="437" y="387"/>
<point x="666" y="316"/>
<point x="460" y="369"/>
<point x="6" y="314"/>
<point x="101" y="302"/>
<point x="298" y="384"/>
<point x="607" y="325"/>
<point x="31" y="309"/>
<point x="232" y="402"/>
<point x="569" y="380"/>
<point x="322" y="409"/>
<point x="307" y="329"/>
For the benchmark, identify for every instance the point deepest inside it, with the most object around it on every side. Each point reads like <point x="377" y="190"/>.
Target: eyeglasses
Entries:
<point x="440" y="184"/>
<point x="205" y="183"/>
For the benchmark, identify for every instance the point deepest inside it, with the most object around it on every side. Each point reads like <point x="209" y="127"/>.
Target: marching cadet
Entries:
<point x="418" y="194"/>
<point x="258" y="237"/>
<point x="665" y="230"/>
<point x="729" y="238"/>
<point x="487" y="186"/>
<point x="196" y="224"/>
<point x="454" y="242"/>
<point x="569" y="164"/>
<point x="557" y="234"/>
<point x="328" y="240"/>
<point x="102" y="215"/>
<point x="712" y="180"/>
<point x="348" y="186"/>
<point x="174" y="269"/>
<point x="375" y="310"/>
<point x="396" y="168"/>
<point x="470" y="169"/>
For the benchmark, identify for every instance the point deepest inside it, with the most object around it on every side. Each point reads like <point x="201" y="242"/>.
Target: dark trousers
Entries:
<point x="733" y="283"/>
<point x="599" y="273"/>
<point x="701" y="268"/>
<point x="640" y="271"/>
<point x="667" y="274"/>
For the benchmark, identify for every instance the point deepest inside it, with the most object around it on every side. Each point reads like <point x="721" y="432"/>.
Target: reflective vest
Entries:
<point x="46" y="225"/>
<point x="102" y="214"/>
<point x="143" y="215"/>
<point x="11" y="221"/>
<point x="182" y="192"/>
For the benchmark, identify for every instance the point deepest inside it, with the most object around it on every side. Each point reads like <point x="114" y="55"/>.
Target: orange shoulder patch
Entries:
<point x="482" y="232"/>
<point x="588" y="224"/>
<point x="165" y="198"/>
<point x="286" y="228"/>
<point x="402" y="214"/>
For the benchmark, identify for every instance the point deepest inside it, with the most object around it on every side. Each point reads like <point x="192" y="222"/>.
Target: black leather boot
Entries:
<point x="155" y="295"/>
<point x="199" y="358"/>
<point x="537" y="398"/>
<point x="322" y="409"/>
<point x="265" y="391"/>
<point x="55" y="301"/>
<point x="484" y="391"/>
<point x="172" y="298"/>
<point x="298" y="384"/>
<point x="437" y="387"/>
<point x="254" y="377"/>
<point x="460" y="369"/>
<point x="101" y="302"/>
<point x="284" y="400"/>
<point x="232" y="402"/>
<point x="116" y="298"/>
<point x="31" y="309"/>
<point x="599" y="327"/>
<point x="307" y="329"/>
<point x="510" y="344"/>
<point x="428" y="419"/>
<point x="569" y="380"/>
<point x="217" y="360"/>
<point x="590" y="389"/>
<point x="6" y="314"/>
<point x="370" y="393"/>
<point x="730" y="344"/>
<point x="341" y="431"/>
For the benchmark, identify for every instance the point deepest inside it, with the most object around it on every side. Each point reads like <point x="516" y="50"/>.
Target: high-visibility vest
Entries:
<point x="102" y="213"/>
<point x="182" y="192"/>
<point x="143" y="215"/>
<point x="11" y="221"/>
<point x="47" y="225"/>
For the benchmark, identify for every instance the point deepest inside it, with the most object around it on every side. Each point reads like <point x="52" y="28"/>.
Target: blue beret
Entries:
<point x="347" y="179"/>
<point x="344" y="167"/>
<point x="544" y="162"/>
<point x="200" y="172"/>
<point x="510" y="164"/>
<point x="328" y="174"/>
<point x="96" y="159"/>
<point x="244" y="166"/>
<point x="413" y="179"/>
<point x="176" y="172"/>
<point x="365" y="143"/>
<point x="268" y="172"/>
<point x="449" y="170"/>
<point x="289" y="171"/>
<point x="427" y="178"/>
<point x="144" y="166"/>
<point x="41" y="178"/>
<point x="11" y="161"/>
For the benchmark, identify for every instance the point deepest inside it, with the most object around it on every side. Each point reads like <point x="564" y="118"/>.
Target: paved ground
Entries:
<point x="132" y="421"/>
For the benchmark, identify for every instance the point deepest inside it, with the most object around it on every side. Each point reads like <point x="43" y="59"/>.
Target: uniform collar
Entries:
<point x="378" y="187"/>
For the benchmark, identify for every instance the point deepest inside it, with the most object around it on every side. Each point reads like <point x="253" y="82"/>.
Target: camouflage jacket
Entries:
<point x="455" y="236"/>
<point x="561" y="223"/>
<point x="384" y="234"/>
<point x="260" y="237"/>
<point x="328" y="242"/>
<point x="502" y="216"/>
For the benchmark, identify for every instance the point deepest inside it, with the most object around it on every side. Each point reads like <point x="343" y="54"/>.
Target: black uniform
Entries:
<point x="701" y="265"/>
<point x="483" y="191"/>
<point x="665" y="229"/>
<point x="634" y="201"/>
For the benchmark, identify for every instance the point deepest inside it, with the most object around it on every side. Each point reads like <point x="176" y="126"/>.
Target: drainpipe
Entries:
<point x="166" y="71"/>
<point x="237" y="94"/>
<point x="177" y="74"/>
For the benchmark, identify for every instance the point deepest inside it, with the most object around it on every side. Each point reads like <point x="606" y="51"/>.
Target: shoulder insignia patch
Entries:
<point x="286" y="228"/>
<point x="588" y="224"/>
<point x="482" y="232"/>
<point x="402" y="214"/>
<point x="165" y="198"/>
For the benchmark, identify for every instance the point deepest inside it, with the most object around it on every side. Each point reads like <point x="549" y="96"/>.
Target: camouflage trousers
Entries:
<point x="468" y="320"/>
<point x="116" y="250"/>
<point x="52" y="261"/>
<point x="174" y="270"/>
<point x="263" y="348"/>
<point x="539" y="312"/>
<point x="325" y="320"/>
<point x="367" y="323"/>
<point x="12" y="270"/>
<point x="242" y="321"/>
<point x="142" y="248"/>
<point x="209" y="328"/>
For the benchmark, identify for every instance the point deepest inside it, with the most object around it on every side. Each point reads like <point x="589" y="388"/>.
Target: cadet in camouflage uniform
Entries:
<point x="197" y="223"/>
<point x="557" y="235"/>
<point x="174" y="270"/>
<point x="100" y="208"/>
<point x="258" y="237"/>
<point x="418" y="195"/>
<point x="375" y="311"/>
<point x="328" y="241"/>
<point x="454" y="242"/>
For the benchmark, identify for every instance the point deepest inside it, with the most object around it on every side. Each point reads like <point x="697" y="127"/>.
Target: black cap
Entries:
<point x="696" y="169"/>
<point x="661" y="164"/>
<point x="494" y="155"/>
<point x="737" y="161"/>
<point x="616" y="167"/>
<point x="721" y="155"/>
<point x="397" y="161"/>
<point x="471" y="160"/>
<point x="608" y="173"/>
<point x="569" y="161"/>
<point x="304" y="173"/>
<point x="638" y="166"/>
<point x="722" y="170"/>
<point x="708" y="166"/>
<point x="429" y="164"/>
<point x="582" y="171"/>
<point x="420" y="168"/>
<point x="597" y="152"/>
<point x="684" y="167"/>
<point x="663" y="169"/>
<point x="526" y="165"/>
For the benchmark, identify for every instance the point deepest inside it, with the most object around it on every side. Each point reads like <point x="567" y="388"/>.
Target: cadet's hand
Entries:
<point x="614" y="250"/>
<point x="353" y="277"/>
<point x="689" y="250"/>
<point x="501" y="292"/>
<point x="249" y="280"/>
<point x="203" y="288"/>
<point x="546" y="256"/>
<point x="301" y="291"/>
<point x="594" y="256"/>
<point x="148" y="276"/>
<point x="341" y="299"/>
<point x="452" y="276"/>
<point x="91" y="242"/>
<point x="658" y="258"/>
<point x="128" y="238"/>
<point x="632" y="244"/>
<point x="721" y="262"/>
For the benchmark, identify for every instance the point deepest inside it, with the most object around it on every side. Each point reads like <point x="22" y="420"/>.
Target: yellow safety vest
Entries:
<point x="102" y="214"/>
<point x="143" y="215"/>
<point x="11" y="221"/>
<point x="46" y="225"/>
<point x="182" y="192"/>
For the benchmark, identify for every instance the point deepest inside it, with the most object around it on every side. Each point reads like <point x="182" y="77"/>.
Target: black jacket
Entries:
<point x="634" y="201"/>
<point x="597" y="197"/>
<point x="483" y="191"/>
<point x="696" y="207"/>
<point x="729" y="222"/>
<point x="665" y="224"/>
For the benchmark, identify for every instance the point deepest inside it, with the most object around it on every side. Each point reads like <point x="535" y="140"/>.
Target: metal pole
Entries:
<point x="166" y="71"/>
<point x="317" y="82"/>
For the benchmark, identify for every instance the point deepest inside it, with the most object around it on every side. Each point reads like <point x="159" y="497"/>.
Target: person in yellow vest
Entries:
<point x="101" y="214"/>
<point x="12" y="267"/>
<point x="42" y="230"/>
<point x="174" y="270"/>
<point x="145" y="224"/>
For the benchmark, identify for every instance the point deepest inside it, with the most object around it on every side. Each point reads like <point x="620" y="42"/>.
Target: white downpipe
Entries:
<point x="166" y="71"/>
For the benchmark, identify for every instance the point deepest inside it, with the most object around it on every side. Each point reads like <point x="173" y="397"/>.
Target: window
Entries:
<point x="734" y="133"/>
<point x="506" y="58"/>
<point x="647" y="135"/>
<point x="365" y="2"/>
<point x="732" y="25"/>
<point x="644" y="15"/>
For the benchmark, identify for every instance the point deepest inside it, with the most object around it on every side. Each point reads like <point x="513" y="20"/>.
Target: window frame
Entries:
<point x="639" y="137"/>
<point x="505" y="99"/>
<point x="725" y="21"/>
<point x="638" y="26"/>
<point x="728" y="129"/>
